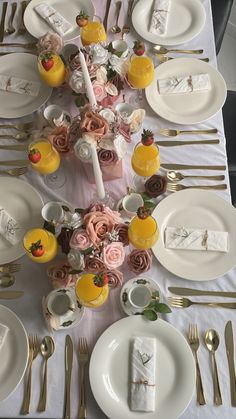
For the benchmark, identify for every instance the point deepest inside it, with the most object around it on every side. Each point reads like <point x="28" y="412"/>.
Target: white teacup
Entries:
<point x="120" y="47"/>
<point x="131" y="203"/>
<point x="125" y="111"/>
<point x="56" y="116"/>
<point x="53" y="212"/>
<point x="139" y="296"/>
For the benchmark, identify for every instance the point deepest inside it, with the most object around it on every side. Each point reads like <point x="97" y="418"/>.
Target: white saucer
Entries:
<point x="67" y="321"/>
<point x="140" y="280"/>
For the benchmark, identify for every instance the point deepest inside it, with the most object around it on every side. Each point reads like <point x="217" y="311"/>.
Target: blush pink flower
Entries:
<point x="59" y="274"/>
<point x="60" y="139"/>
<point x="115" y="277"/>
<point x="80" y="240"/>
<point x="98" y="225"/>
<point x="99" y="90"/>
<point x="113" y="255"/>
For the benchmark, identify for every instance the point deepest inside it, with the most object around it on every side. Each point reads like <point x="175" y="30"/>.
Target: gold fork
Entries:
<point x="10" y="269"/>
<point x="174" y="132"/>
<point x="164" y="58"/>
<point x="174" y="187"/>
<point x="83" y="359"/>
<point x="33" y="352"/>
<point x="22" y="28"/>
<point x="19" y="127"/>
<point x="181" y="302"/>
<point x="18" y="171"/>
<point x="194" y="345"/>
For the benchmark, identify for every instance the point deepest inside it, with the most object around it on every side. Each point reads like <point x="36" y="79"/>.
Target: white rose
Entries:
<point x="76" y="81"/>
<point x="120" y="65"/>
<point x="107" y="114"/>
<point x="83" y="150"/>
<point x="100" y="54"/>
<point x="120" y="146"/>
<point x="76" y="259"/>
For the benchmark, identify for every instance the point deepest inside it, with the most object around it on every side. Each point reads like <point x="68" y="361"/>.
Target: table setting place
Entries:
<point x="114" y="195"/>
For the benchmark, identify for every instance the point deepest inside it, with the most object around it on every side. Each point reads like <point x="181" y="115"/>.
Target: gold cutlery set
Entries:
<point x="7" y="279"/>
<point x="160" y="52"/>
<point x="183" y="302"/>
<point x="212" y="341"/>
<point x="9" y="27"/>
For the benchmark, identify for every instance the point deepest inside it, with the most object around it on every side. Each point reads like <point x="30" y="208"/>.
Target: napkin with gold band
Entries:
<point x="159" y="17"/>
<point x="54" y="19"/>
<point x="3" y="333"/>
<point x="196" y="239"/>
<point x="143" y="374"/>
<point x="9" y="228"/>
<point x="184" y="84"/>
<point x="17" y="85"/>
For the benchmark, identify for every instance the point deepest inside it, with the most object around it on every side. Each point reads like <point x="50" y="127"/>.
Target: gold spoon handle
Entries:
<point x="43" y="396"/>
<point x="27" y="396"/>
<point x="200" y="393"/>
<point x="200" y="131"/>
<point x="219" y="177"/>
<point x="216" y="385"/>
<point x="187" y="51"/>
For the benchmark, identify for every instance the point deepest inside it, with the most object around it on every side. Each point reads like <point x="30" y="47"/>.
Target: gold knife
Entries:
<point x="188" y="142"/>
<point x="14" y="163"/>
<point x="2" y="24"/>
<point x="229" y="343"/>
<point x="10" y="295"/>
<point x="14" y="147"/>
<point x="106" y="14"/>
<point x="68" y="369"/>
<point x="193" y="291"/>
<point x="179" y="166"/>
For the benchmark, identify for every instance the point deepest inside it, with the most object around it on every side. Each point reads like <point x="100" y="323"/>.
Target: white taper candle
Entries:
<point x="88" y="83"/>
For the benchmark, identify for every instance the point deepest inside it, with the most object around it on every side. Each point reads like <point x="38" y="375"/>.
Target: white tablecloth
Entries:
<point x="33" y="280"/>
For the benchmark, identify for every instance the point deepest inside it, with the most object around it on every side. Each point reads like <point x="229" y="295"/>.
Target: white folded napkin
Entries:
<point x="196" y="239"/>
<point x="17" y="85"/>
<point x="184" y="84"/>
<point x="3" y="333"/>
<point x="9" y="228"/>
<point x="159" y="17"/>
<point x="53" y="18"/>
<point x="143" y="374"/>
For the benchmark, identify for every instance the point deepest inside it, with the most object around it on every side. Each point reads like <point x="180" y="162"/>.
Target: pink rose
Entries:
<point x="99" y="90"/>
<point x="115" y="277"/>
<point x="80" y="239"/>
<point x="50" y="42"/>
<point x="113" y="255"/>
<point x="98" y="225"/>
<point x="108" y="101"/>
<point x="115" y="215"/>
<point x="60" y="139"/>
<point x="94" y="264"/>
<point x="59" y="274"/>
<point x="139" y="261"/>
<point x="94" y="124"/>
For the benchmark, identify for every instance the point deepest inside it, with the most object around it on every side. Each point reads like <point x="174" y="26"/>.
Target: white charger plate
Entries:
<point x="197" y="209"/>
<point x="37" y="26"/>
<point x="14" y="353"/>
<point x="110" y="376"/>
<point x="186" y="20"/>
<point x="187" y="108"/>
<point x="24" y="66"/>
<point x="24" y="204"/>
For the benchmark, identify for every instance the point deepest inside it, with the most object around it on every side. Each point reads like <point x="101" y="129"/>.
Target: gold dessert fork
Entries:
<point x="11" y="268"/>
<point x="18" y="171"/>
<point x="33" y="352"/>
<point x="194" y="345"/>
<point x="181" y="302"/>
<point x="175" y="187"/>
<point x="174" y="132"/>
<point x="83" y="359"/>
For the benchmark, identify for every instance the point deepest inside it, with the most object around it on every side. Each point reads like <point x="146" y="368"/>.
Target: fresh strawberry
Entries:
<point x="47" y="61"/>
<point x="139" y="48"/>
<point x="82" y="19"/>
<point x="34" y="155"/>
<point x="143" y="213"/>
<point x="147" y="137"/>
<point x="37" y="249"/>
<point x="100" y="280"/>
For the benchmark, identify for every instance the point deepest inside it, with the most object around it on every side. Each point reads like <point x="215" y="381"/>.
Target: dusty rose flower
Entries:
<point x="59" y="274"/>
<point x="139" y="261"/>
<point x="108" y="101"/>
<point x="64" y="239"/>
<point x="95" y="124"/>
<point x="60" y="139"/>
<point x="115" y="277"/>
<point x="50" y="42"/>
<point x="122" y="230"/>
<point x="115" y="215"/>
<point x="99" y="90"/>
<point x="114" y="255"/>
<point x="96" y="206"/>
<point x="98" y="225"/>
<point x="80" y="239"/>
<point x="107" y="157"/>
<point x="94" y="264"/>
<point x="155" y="185"/>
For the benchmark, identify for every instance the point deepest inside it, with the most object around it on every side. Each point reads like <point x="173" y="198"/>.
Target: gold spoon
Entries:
<point x="47" y="348"/>
<point x="116" y="28"/>
<point x="162" y="50"/>
<point x="19" y="137"/>
<point x="212" y="341"/>
<point x="7" y="280"/>
<point x="174" y="176"/>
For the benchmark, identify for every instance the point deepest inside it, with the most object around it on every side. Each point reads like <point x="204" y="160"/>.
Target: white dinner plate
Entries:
<point x="13" y="353"/>
<point x="110" y="375"/>
<point x="186" y="20"/>
<point x="187" y="108"/>
<point x="24" y="66"/>
<point x="68" y="9"/>
<point x="24" y="204"/>
<point x="197" y="209"/>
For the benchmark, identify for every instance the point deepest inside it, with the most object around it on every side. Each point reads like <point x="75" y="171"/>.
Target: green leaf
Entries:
<point x="79" y="210"/>
<point x="149" y="204"/>
<point x="87" y="251"/>
<point x="80" y="101"/>
<point x="155" y="294"/>
<point x="150" y="315"/>
<point x="163" y="308"/>
<point x="152" y="305"/>
<point x="145" y="196"/>
<point x="49" y="227"/>
<point x="65" y="208"/>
